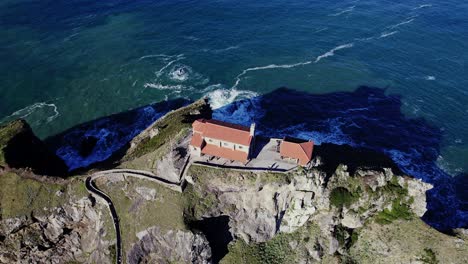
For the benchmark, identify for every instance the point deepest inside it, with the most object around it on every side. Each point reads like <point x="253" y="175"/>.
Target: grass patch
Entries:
<point x="174" y="123"/>
<point x="429" y="257"/>
<point x="137" y="214"/>
<point x="197" y="204"/>
<point x="399" y="211"/>
<point x="7" y="132"/>
<point x="204" y="175"/>
<point x="20" y="196"/>
<point x="341" y="197"/>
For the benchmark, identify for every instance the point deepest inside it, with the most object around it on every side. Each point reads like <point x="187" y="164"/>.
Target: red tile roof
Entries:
<point x="297" y="150"/>
<point x="223" y="131"/>
<point x="225" y="153"/>
<point x="197" y="140"/>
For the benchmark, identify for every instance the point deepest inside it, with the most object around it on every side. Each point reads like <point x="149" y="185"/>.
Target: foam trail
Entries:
<point x="401" y="23"/>
<point x="28" y="110"/>
<point x="287" y="66"/>
<point x="430" y="78"/>
<point x="216" y="51"/>
<point x="422" y="6"/>
<point x="347" y="10"/>
<point x="271" y="66"/>
<point x="332" y="51"/>
<point x="387" y="34"/>
<point x="154" y="56"/>
<point x="320" y="30"/>
<point x="163" y="87"/>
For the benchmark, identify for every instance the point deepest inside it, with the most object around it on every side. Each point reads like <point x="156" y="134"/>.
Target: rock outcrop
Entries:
<point x="155" y="246"/>
<point x="72" y="232"/>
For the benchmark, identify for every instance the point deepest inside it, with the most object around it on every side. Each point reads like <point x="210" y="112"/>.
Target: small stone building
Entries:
<point x="296" y="150"/>
<point x="222" y="139"/>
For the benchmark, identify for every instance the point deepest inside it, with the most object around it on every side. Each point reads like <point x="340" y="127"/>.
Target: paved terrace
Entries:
<point x="265" y="156"/>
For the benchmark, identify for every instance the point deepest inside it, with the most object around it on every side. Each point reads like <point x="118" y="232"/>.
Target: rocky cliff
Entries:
<point x="46" y="222"/>
<point x="307" y="216"/>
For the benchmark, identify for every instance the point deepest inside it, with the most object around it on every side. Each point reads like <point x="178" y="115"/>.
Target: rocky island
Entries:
<point x="350" y="206"/>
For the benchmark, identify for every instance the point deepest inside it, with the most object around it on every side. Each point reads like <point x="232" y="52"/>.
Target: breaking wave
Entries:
<point x="109" y="134"/>
<point x="221" y="97"/>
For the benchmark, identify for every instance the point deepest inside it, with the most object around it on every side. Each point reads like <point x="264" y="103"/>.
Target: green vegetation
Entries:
<point x="399" y="211"/>
<point x="429" y="257"/>
<point x="113" y="253"/>
<point x="276" y="250"/>
<point x="7" y="132"/>
<point x="204" y="175"/>
<point x="174" y="123"/>
<point x="196" y="204"/>
<point x="137" y="214"/>
<point x="21" y="197"/>
<point x="342" y="197"/>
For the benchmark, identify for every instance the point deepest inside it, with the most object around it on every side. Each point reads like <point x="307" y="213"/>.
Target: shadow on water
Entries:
<point x="102" y="142"/>
<point x="365" y="118"/>
<point x="216" y="231"/>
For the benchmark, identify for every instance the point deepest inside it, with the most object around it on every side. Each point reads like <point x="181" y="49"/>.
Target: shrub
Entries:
<point x="340" y="197"/>
<point x="429" y="257"/>
<point x="399" y="211"/>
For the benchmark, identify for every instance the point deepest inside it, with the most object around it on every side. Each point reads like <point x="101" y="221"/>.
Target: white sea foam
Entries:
<point x="154" y="56"/>
<point x="221" y="97"/>
<point x="217" y="51"/>
<point x="288" y="66"/>
<point x="422" y="6"/>
<point x="134" y="83"/>
<point x="271" y="66"/>
<point x="178" y="58"/>
<point x="409" y="20"/>
<point x="387" y="34"/>
<point x="430" y="78"/>
<point x="28" y="110"/>
<point x="320" y="30"/>
<point x="344" y="11"/>
<point x="332" y="51"/>
<point x="180" y="73"/>
<point x="159" y="86"/>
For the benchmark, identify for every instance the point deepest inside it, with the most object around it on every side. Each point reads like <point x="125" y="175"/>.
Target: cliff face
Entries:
<point x="306" y="216"/>
<point x="20" y="148"/>
<point x="51" y="223"/>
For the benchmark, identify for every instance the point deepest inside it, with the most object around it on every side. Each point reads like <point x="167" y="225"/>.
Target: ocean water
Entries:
<point x="63" y="63"/>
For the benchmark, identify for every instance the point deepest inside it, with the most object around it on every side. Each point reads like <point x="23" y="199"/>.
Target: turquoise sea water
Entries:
<point x="67" y="62"/>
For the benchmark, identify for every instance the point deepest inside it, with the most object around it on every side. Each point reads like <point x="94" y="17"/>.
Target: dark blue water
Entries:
<point x="67" y="62"/>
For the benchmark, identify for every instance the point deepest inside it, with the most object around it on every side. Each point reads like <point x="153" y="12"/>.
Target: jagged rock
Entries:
<point x="351" y="220"/>
<point x="72" y="232"/>
<point x="156" y="246"/>
<point x="417" y="189"/>
<point x="9" y="225"/>
<point x="147" y="193"/>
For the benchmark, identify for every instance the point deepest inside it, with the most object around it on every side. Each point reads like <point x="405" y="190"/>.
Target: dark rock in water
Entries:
<point x="87" y="145"/>
<point x="22" y="149"/>
<point x="216" y="230"/>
